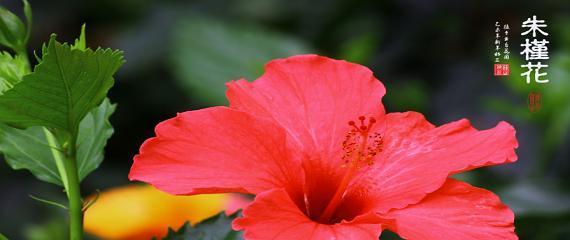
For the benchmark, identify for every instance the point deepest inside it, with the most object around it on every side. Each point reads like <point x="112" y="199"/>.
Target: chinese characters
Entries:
<point x="501" y="69"/>
<point x="535" y="50"/>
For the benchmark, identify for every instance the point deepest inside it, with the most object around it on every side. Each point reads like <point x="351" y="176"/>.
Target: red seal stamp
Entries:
<point x="534" y="101"/>
<point x="501" y="69"/>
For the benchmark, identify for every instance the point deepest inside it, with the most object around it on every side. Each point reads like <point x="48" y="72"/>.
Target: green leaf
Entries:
<point x="12" y="69"/>
<point x="80" y="42"/>
<point x="62" y="89"/>
<point x="31" y="149"/>
<point x="208" y="53"/>
<point x="12" y="30"/>
<point x="2" y="237"/>
<point x="218" y="227"/>
<point x="94" y="131"/>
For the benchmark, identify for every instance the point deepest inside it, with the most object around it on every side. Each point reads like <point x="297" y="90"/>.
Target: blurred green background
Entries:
<point x="434" y="56"/>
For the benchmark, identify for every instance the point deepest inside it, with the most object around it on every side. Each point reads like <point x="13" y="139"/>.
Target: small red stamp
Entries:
<point x="502" y="69"/>
<point x="534" y="101"/>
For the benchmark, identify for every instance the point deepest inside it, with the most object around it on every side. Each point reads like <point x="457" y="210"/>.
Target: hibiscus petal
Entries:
<point x="312" y="97"/>
<point x="418" y="158"/>
<point x="274" y="216"/>
<point x="217" y="150"/>
<point x="456" y="211"/>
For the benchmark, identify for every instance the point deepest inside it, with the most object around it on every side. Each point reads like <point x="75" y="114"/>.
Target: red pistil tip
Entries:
<point x="351" y="123"/>
<point x="372" y="120"/>
<point x="361" y="118"/>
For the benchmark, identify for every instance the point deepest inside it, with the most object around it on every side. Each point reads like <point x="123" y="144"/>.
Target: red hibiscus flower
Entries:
<point x="311" y="140"/>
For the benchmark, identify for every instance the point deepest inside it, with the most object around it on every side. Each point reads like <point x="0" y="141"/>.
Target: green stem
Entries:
<point x="74" y="192"/>
<point x="57" y="156"/>
<point x="70" y="174"/>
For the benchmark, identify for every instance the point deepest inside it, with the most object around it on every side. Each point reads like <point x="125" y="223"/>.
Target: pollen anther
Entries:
<point x="359" y="145"/>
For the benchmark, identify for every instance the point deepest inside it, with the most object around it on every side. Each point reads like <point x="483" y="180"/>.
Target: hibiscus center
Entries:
<point x="360" y="146"/>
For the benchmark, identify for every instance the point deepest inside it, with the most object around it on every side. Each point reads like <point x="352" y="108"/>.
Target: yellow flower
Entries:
<point x="141" y="212"/>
